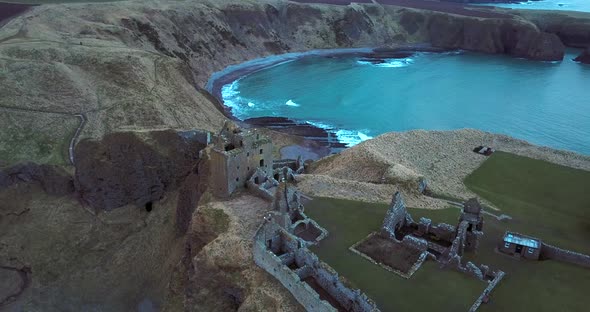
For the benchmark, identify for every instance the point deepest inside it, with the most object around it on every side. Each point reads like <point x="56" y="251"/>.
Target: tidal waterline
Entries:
<point x="543" y="103"/>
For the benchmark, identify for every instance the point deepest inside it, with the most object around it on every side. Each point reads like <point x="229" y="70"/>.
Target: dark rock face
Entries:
<point x="123" y="169"/>
<point x="571" y="31"/>
<point x="53" y="180"/>
<point x="351" y="26"/>
<point x="495" y="36"/>
<point x="189" y="196"/>
<point x="584" y="58"/>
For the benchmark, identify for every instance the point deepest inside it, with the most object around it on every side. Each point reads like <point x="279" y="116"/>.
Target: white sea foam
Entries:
<point x="291" y="103"/>
<point x="347" y="137"/>
<point x="351" y="137"/>
<point x="232" y="99"/>
<point x="250" y="104"/>
<point x="389" y="63"/>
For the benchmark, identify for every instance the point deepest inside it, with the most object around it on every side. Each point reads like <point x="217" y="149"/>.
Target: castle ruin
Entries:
<point x="235" y="156"/>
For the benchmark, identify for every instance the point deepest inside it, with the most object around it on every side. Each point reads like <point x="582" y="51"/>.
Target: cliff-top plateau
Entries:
<point x="101" y="204"/>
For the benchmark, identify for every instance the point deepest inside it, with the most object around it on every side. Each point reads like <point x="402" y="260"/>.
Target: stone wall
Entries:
<point x="443" y="231"/>
<point x="422" y="186"/>
<point x="304" y="264"/>
<point x="559" y="254"/>
<point x="396" y="216"/>
<point x="486" y="292"/>
<point x="262" y="185"/>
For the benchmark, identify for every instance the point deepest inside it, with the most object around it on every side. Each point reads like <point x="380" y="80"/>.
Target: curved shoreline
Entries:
<point x="326" y="137"/>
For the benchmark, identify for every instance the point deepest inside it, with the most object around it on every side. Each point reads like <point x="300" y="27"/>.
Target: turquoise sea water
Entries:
<point x="543" y="103"/>
<point x="569" y="5"/>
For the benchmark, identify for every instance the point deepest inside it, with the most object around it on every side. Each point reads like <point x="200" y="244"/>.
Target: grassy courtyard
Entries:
<point x="545" y="200"/>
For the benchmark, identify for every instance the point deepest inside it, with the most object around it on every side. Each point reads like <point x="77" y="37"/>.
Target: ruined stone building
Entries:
<point x="235" y="156"/>
<point x="441" y="242"/>
<point x="471" y="215"/>
<point x="289" y="214"/>
<point x="314" y="284"/>
<point x="423" y="240"/>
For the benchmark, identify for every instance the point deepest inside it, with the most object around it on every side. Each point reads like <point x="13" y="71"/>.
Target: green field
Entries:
<point x="545" y="200"/>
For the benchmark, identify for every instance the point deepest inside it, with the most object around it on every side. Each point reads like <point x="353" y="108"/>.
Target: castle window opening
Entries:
<point x="261" y="151"/>
<point x="262" y="163"/>
<point x="149" y="206"/>
<point x="229" y="147"/>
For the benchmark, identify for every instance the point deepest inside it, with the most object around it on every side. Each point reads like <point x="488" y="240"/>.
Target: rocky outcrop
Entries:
<point x="135" y="168"/>
<point x="573" y="29"/>
<point x="54" y="180"/>
<point x="511" y="37"/>
<point x="584" y="57"/>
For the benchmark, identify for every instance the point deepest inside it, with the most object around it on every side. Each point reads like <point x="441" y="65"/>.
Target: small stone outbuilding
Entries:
<point x="519" y="245"/>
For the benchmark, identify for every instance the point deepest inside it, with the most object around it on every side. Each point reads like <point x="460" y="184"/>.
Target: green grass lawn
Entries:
<point x="546" y="200"/>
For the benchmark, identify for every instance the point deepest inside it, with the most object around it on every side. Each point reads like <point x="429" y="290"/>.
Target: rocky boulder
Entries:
<point x="584" y="57"/>
<point x="134" y="168"/>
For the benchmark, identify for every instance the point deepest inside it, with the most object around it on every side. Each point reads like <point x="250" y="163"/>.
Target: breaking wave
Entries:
<point x="347" y="137"/>
<point x="291" y="103"/>
<point x="389" y="63"/>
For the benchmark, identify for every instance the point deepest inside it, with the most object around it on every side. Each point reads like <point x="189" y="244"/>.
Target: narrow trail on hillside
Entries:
<point x="74" y="139"/>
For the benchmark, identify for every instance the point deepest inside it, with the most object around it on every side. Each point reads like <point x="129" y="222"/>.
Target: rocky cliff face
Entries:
<point x="123" y="168"/>
<point x="584" y="57"/>
<point x="573" y="28"/>
<point x="495" y="36"/>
